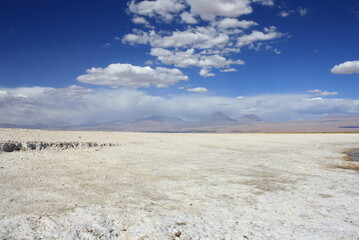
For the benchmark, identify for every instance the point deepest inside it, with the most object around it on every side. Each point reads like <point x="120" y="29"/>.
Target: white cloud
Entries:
<point x="188" y="18"/>
<point x="284" y="13"/>
<point x="205" y="72"/>
<point x="31" y="105"/>
<point x="207" y="32"/>
<point x="209" y="10"/>
<point x="106" y="45"/>
<point x="163" y="8"/>
<point x="326" y="94"/>
<point x="315" y="91"/>
<point x="315" y="99"/>
<point x="149" y="62"/>
<point x="349" y="67"/>
<point x="198" y="90"/>
<point x="3" y="93"/>
<point x="321" y="93"/>
<point x="268" y="34"/>
<point x="132" y="76"/>
<point x="79" y="105"/>
<point x="140" y="20"/>
<point x="265" y="2"/>
<point x="190" y="58"/>
<point x="277" y="51"/>
<point x="235" y="23"/>
<point x="229" y="70"/>
<point x="198" y="37"/>
<point x="302" y="11"/>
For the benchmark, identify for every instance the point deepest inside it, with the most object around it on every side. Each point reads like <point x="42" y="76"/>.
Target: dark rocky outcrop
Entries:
<point x="12" y="146"/>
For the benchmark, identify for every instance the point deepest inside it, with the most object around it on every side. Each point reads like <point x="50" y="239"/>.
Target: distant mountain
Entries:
<point x="54" y="125"/>
<point x="90" y="124"/>
<point x="59" y="125"/>
<point x="329" y="123"/>
<point x="216" y="122"/>
<point x="217" y="118"/>
<point x="328" y="118"/>
<point x="335" y="116"/>
<point x="9" y="125"/>
<point x="248" y="118"/>
<point x="148" y="124"/>
<point x="162" y="119"/>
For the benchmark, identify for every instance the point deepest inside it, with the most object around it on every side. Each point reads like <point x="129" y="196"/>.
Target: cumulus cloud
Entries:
<point x="149" y="62"/>
<point x="162" y="8"/>
<point x="314" y="91"/>
<point x="198" y="90"/>
<point x="326" y="94"/>
<point x="206" y="10"/>
<point x="229" y="70"/>
<point x="204" y="46"/>
<point x="205" y="72"/>
<point x="235" y="23"/>
<point x="209" y="10"/>
<point x="140" y="20"/>
<point x="198" y="37"/>
<point x="284" y="13"/>
<point x="76" y="104"/>
<point x="190" y="58"/>
<point x="265" y="2"/>
<point x="268" y="34"/>
<point x="277" y="51"/>
<point x="315" y="99"/>
<point x="348" y="67"/>
<point x="321" y="93"/>
<point x="211" y="29"/>
<point x="188" y="18"/>
<point x="127" y="75"/>
<point x="301" y="11"/>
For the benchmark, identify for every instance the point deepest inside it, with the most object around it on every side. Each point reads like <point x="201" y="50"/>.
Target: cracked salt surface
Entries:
<point x="179" y="186"/>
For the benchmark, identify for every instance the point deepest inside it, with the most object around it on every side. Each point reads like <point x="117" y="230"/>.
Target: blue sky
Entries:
<point x="81" y="61"/>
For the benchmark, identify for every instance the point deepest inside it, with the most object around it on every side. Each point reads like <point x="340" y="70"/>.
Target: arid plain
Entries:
<point x="179" y="186"/>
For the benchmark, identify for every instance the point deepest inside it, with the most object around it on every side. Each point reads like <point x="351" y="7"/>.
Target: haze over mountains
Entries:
<point x="217" y="118"/>
<point x="249" y="118"/>
<point x="216" y="122"/>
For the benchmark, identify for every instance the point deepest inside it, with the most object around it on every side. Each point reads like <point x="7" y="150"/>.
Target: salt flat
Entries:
<point x="184" y="186"/>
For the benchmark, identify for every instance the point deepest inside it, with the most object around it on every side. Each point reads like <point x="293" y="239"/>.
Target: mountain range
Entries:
<point x="216" y="122"/>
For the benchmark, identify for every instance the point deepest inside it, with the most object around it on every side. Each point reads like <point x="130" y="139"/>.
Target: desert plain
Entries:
<point x="180" y="186"/>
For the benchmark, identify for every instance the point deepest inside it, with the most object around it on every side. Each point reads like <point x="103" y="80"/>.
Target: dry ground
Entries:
<point x="184" y="186"/>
